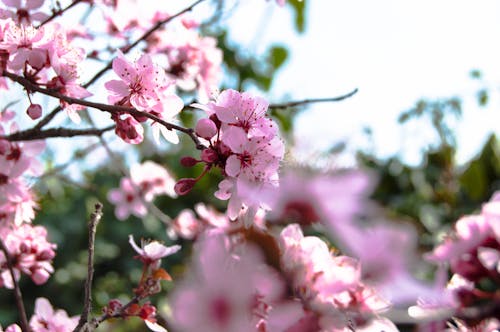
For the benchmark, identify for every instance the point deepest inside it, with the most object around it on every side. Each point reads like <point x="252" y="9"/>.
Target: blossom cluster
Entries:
<point x="146" y="181"/>
<point x="29" y="251"/>
<point x="232" y="287"/>
<point x="36" y="53"/>
<point x="27" y="246"/>
<point x="243" y="143"/>
<point x="145" y="87"/>
<point x="17" y="200"/>
<point x="46" y="319"/>
<point x="472" y="252"/>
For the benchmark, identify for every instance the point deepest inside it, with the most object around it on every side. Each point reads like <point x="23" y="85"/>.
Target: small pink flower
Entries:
<point x="46" y="319"/>
<point x="153" y="252"/>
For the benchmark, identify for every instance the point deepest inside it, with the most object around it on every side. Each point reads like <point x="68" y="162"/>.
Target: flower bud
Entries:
<point x="34" y="111"/>
<point x="206" y="128"/>
<point x="184" y="186"/>
<point x="209" y="155"/>
<point x="188" y="161"/>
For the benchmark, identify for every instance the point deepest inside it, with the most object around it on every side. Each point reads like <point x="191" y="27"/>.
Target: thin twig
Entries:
<point x="310" y="101"/>
<point x="87" y="304"/>
<point x="127" y="49"/>
<point x="32" y="134"/>
<point x="46" y="119"/>
<point x="17" y="291"/>
<point x="113" y="109"/>
<point x="58" y="12"/>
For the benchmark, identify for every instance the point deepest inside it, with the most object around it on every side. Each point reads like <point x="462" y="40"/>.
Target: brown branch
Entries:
<point x="120" y="314"/>
<point x="87" y="304"/>
<point x="310" y="101"/>
<point x="34" y="134"/>
<point x="148" y="33"/>
<point x="58" y="12"/>
<point x="17" y="291"/>
<point x="112" y="109"/>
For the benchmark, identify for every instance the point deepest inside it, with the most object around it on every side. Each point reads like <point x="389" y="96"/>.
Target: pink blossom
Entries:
<point x="151" y="253"/>
<point x="153" y="180"/>
<point x="46" y="319"/>
<point x="147" y="180"/>
<point x="144" y="86"/>
<point x="127" y="200"/>
<point x="193" y="61"/>
<point x="329" y="285"/>
<point x="219" y="294"/>
<point x="23" y="43"/>
<point x="21" y="11"/>
<point x="32" y="253"/>
<point x="11" y="328"/>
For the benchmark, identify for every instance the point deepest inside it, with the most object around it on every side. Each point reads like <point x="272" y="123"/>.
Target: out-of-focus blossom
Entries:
<point x="328" y="285"/>
<point x="46" y="319"/>
<point x="22" y="11"/>
<point x="224" y="287"/>
<point x="30" y="251"/>
<point x="193" y="61"/>
<point x="147" y="180"/>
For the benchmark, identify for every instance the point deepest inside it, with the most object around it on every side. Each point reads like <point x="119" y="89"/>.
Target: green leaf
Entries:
<point x="482" y="97"/>
<point x="299" y="9"/>
<point x="475" y="73"/>
<point x="279" y="54"/>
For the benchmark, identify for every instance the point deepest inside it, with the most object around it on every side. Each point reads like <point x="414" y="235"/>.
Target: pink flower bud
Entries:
<point x="184" y="186"/>
<point x="206" y="128"/>
<point x="209" y="155"/>
<point x="188" y="161"/>
<point x="34" y="111"/>
<point x="40" y="276"/>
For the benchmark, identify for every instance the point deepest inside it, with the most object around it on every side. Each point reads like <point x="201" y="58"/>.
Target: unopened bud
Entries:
<point x="209" y="155"/>
<point x="188" y="161"/>
<point x="184" y="186"/>
<point x="206" y="128"/>
<point x="34" y="111"/>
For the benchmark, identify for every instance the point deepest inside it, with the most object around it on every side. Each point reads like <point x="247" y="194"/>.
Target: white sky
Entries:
<point x="395" y="52"/>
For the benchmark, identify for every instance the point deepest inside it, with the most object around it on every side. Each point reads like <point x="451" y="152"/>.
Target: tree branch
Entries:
<point x="17" y="291"/>
<point x="318" y="100"/>
<point x="87" y="304"/>
<point x="58" y="12"/>
<point x="113" y="109"/>
<point x="34" y="134"/>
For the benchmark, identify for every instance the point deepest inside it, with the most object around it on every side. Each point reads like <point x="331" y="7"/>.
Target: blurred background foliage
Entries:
<point x="431" y="195"/>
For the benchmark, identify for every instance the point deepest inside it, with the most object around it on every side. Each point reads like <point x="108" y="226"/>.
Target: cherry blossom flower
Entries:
<point x="151" y="253"/>
<point x="146" y="182"/>
<point x="46" y="319"/>
<point x="220" y="291"/>
<point x="245" y="147"/>
<point x="32" y="253"/>
<point x="144" y="86"/>
<point x="23" y="11"/>
<point x="330" y="286"/>
<point x="127" y="200"/>
<point x="193" y="62"/>
<point x="23" y="43"/>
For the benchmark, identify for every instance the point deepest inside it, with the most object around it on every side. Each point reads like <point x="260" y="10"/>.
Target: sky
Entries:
<point x="395" y="52"/>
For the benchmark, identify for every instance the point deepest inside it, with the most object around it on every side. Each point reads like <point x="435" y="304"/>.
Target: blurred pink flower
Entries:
<point x="46" y="319"/>
<point x="220" y="292"/>
<point x="28" y="247"/>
